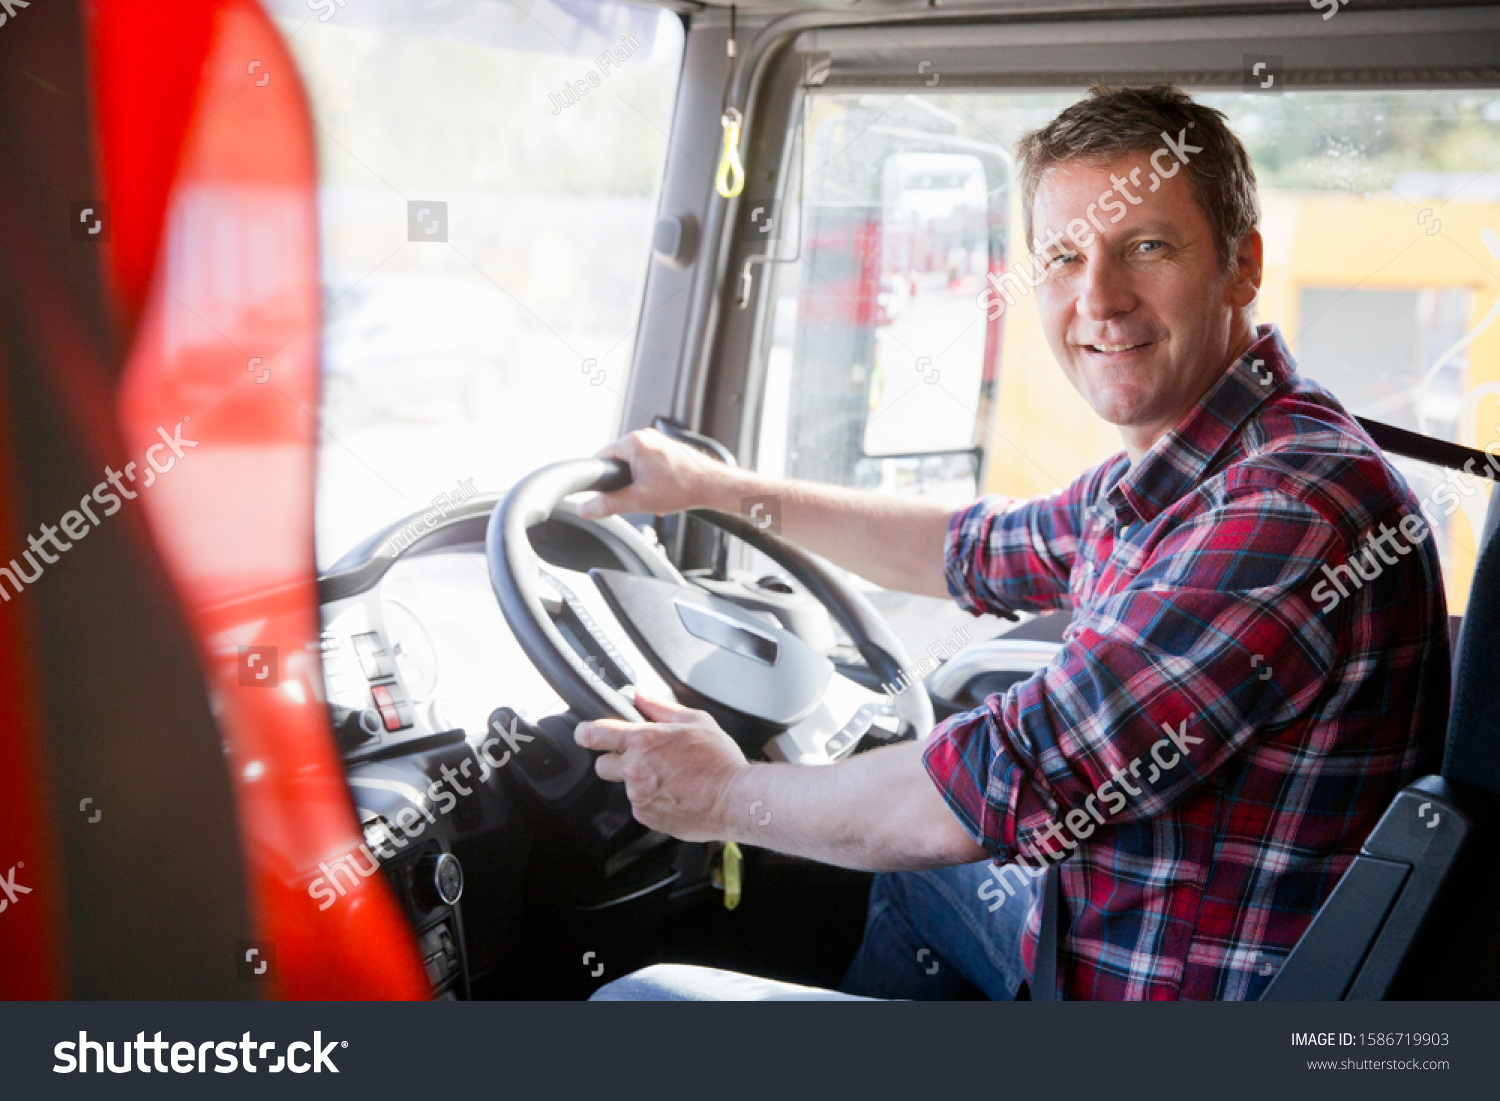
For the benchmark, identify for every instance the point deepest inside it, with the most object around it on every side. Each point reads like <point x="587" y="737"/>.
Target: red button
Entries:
<point x="387" y="706"/>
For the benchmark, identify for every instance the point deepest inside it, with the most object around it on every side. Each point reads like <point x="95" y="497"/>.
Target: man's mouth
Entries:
<point x="1111" y="348"/>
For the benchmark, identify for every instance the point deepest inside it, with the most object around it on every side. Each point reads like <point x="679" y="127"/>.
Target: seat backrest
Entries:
<point x="161" y="812"/>
<point x="1413" y="916"/>
<point x="1457" y="954"/>
<point x="1472" y="757"/>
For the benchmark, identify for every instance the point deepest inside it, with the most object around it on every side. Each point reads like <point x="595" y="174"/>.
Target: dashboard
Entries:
<point x="433" y="633"/>
<point x="415" y="664"/>
<point x="459" y="756"/>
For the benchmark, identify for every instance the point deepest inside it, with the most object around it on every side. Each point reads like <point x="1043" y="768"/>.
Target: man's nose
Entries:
<point x="1106" y="290"/>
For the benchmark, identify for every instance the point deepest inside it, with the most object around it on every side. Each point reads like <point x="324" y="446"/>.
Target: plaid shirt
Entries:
<point x="1221" y="729"/>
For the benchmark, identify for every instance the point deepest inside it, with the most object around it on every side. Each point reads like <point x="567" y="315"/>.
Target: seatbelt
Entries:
<point x="1426" y="449"/>
<point x="1044" y="978"/>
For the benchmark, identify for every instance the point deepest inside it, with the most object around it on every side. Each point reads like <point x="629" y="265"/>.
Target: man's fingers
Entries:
<point x="610" y="735"/>
<point x="611" y="767"/>
<point x="663" y="472"/>
<point x="662" y="711"/>
<point x="618" y="449"/>
<point x="599" y="506"/>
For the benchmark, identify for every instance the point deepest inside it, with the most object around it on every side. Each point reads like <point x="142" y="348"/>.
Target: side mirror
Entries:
<point x="890" y="363"/>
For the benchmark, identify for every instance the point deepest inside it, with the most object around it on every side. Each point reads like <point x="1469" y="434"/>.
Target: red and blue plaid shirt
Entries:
<point x="1221" y="729"/>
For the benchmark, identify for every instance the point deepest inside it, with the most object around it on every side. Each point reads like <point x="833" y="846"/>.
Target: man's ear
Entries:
<point x="1249" y="261"/>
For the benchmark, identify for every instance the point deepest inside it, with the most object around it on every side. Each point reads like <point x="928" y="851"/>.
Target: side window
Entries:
<point x="1380" y="216"/>
<point x="488" y="178"/>
<point x="1383" y="270"/>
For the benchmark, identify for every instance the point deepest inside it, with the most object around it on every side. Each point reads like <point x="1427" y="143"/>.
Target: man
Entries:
<point x="1216" y="738"/>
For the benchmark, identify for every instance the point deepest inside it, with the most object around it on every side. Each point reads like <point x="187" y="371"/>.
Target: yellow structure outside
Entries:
<point x="1043" y="435"/>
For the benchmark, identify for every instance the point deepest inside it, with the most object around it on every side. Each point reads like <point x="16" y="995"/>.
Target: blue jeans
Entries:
<point x="928" y="936"/>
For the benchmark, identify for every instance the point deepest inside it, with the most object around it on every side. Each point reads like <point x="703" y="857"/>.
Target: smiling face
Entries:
<point x="1141" y="317"/>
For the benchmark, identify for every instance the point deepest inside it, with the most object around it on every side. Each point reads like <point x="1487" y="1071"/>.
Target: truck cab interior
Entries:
<point x="335" y="300"/>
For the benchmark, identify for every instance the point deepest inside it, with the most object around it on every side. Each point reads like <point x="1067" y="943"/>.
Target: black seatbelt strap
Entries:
<point x="1044" y="979"/>
<point x="1425" y="449"/>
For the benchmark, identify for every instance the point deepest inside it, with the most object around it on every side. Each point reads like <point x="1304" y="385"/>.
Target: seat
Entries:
<point x="162" y="810"/>
<point x="1413" y="916"/>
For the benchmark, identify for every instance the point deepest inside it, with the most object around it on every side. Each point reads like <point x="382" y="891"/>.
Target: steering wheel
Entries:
<point x="713" y="653"/>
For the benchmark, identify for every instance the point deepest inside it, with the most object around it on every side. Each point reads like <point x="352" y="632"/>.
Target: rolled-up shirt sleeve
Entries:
<point x="1158" y="684"/>
<point x="1006" y="554"/>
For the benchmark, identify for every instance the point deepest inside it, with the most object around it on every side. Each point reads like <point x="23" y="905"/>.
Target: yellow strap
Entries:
<point x="729" y="163"/>
<point x="732" y="881"/>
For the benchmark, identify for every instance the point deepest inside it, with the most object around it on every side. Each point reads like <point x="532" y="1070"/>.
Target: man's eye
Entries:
<point x="1059" y="259"/>
<point x="1151" y="246"/>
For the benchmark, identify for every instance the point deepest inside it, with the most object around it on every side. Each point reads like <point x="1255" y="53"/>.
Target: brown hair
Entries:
<point x="1115" y="121"/>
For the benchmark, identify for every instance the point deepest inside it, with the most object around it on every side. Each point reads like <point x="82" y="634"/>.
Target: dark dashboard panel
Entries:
<point x="426" y="795"/>
<point x="437" y="818"/>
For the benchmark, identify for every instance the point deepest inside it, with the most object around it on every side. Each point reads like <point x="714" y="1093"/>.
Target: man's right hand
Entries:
<point x="665" y="477"/>
<point x="896" y="542"/>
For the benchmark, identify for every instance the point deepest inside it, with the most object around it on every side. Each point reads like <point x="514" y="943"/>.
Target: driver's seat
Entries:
<point x="1413" y="916"/>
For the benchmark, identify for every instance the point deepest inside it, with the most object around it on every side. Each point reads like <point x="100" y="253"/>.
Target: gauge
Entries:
<point x="416" y="657"/>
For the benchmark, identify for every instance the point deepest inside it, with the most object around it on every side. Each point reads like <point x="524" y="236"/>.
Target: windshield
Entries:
<point x="487" y="175"/>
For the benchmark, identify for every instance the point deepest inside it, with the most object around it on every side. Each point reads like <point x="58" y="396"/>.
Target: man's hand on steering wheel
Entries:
<point x="665" y="477"/>
<point x="678" y="768"/>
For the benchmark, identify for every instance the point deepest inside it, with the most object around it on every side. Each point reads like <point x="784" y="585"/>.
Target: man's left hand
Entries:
<point x="677" y="768"/>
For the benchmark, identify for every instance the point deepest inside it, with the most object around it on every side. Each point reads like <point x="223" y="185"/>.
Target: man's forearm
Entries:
<point x="878" y="812"/>
<point x="896" y="542"/>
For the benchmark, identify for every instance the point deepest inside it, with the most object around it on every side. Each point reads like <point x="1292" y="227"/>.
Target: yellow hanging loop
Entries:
<point x="732" y="875"/>
<point x="729" y="163"/>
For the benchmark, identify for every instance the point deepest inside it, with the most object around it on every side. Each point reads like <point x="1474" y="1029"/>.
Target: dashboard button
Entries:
<point x="439" y="880"/>
<point x="374" y="659"/>
<point x="391" y="708"/>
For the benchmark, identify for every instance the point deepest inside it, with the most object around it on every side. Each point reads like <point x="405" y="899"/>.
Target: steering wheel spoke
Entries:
<point x="597" y="634"/>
